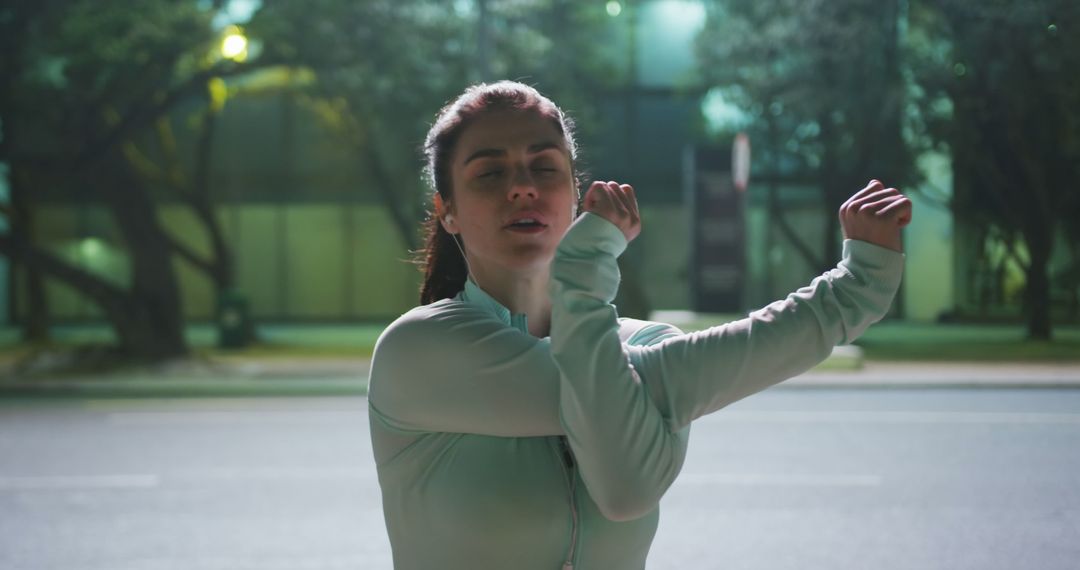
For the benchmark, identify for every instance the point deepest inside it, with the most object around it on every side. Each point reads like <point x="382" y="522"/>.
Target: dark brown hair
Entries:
<point x="444" y="267"/>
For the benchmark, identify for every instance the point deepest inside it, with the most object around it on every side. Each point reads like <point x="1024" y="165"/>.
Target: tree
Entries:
<point x="1008" y="112"/>
<point x="822" y="81"/>
<point x="83" y="82"/>
<point x="91" y="97"/>
<point x="384" y="67"/>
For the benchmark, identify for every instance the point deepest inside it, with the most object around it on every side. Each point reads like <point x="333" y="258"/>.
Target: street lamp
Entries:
<point x="234" y="45"/>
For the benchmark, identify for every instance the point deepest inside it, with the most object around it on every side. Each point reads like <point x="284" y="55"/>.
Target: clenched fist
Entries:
<point x="617" y="204"/>
<point x="876" y="214"/>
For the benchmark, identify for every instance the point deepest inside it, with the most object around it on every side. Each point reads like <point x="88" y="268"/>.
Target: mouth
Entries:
<point x="527" y="223"/>
<point x="525" y="227"/>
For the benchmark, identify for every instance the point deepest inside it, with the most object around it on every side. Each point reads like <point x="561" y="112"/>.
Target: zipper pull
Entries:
<point x="568" y="566"/>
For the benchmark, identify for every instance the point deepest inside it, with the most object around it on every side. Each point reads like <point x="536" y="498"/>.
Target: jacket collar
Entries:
<point x="473" y="295"/>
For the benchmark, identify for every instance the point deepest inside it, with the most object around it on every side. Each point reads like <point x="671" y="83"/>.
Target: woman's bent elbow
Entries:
<point x="624" y="505"/>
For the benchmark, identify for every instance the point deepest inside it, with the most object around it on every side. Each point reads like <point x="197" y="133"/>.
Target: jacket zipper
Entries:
<point x="567" y="460"/>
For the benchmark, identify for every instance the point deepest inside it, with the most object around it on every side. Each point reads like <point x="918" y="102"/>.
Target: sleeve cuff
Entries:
<point x="869" y="255"/>
<point x="590" y="233"/>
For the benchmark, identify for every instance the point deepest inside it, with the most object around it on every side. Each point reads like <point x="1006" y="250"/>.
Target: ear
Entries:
<point x="446" y="218"/>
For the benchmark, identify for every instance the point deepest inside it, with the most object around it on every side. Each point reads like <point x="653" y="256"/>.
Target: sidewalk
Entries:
<point x="944" y="375"/>
<point x="269" y="376"/>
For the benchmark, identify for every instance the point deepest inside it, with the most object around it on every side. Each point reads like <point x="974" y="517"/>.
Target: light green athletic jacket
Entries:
<point x="499" y="450"/>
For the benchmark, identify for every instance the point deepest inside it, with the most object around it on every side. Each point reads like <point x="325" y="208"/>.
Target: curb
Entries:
<point x="354" y="386"/>
<point x="185" y="388"/>
<point x="348" y="377"/>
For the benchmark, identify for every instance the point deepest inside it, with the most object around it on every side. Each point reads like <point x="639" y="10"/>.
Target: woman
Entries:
<point x="516" y="421"/>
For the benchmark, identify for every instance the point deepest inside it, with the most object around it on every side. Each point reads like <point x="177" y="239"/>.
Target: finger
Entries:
<point x="618" y="201"/>
<point x="879" y="201"/>
<point x="601" y="196"/>
<point x="597" y="186"/>
<point x="631" y="202"/>
<point x="890" y="206"/>
<point x="900" y="209"/>
<point x="593" y="194"/>
<point x="872" y="186"/>
<point x="860" y="204"/>
<point x="616" y="191"/>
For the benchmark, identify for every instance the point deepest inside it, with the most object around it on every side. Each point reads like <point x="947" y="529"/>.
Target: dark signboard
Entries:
<point x="718" y="229"/>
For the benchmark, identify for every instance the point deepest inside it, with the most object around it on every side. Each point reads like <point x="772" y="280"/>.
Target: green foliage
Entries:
<point x="826" y="75"/>
<point x="823" y="84"/>
<point x="839" y="91"/>
<point x="1009" y="111"/>
<point x="384" y="68"/>
<point x="1001" y="88"/>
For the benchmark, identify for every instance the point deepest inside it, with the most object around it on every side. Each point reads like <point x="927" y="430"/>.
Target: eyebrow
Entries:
<point x="498" y="152"/>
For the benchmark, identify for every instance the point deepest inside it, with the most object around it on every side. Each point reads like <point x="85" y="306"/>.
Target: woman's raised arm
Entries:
<point x="704" y="371"/>
<point x="624" y="407"/>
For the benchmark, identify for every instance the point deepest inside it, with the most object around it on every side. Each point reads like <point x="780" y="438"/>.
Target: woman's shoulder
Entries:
<point x="644" y="333"/>
<point x="425" y="323"/>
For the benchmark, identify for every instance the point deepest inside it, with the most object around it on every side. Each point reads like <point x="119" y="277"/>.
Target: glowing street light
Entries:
<point x="614" y="8"/>
<point x="235" y="45"/>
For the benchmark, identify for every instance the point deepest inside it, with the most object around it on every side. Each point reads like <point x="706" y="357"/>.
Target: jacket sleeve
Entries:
<point x="628" y="445"/>
<point x="704" y="371"/>
<point x="450" y="368"/>
<point x="625" y="450"/>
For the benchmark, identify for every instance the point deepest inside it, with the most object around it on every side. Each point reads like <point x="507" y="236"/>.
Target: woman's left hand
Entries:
<point x="617" y="204"/>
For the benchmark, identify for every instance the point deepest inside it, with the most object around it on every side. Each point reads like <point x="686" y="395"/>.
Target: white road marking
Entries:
<point x="78" y="482"/>
<point x="235" y="417"/>
<point x="804" y="480"/>
<point x="146" y="481"/>
<point x="274" y="474"/>
<point x="377" y="559"/>
<point x="233" y="404"/>
<point x="901" y="417"/>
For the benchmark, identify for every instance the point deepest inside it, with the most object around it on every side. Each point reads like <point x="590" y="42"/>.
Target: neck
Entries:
<point x="522" y="292"/>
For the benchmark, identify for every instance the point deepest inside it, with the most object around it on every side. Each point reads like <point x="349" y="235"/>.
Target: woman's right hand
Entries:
<point x="617" y="204"/>
<point x="876" y="214"/>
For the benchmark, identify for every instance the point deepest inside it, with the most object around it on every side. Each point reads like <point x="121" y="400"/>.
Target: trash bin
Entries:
<point x="232" y="319"/>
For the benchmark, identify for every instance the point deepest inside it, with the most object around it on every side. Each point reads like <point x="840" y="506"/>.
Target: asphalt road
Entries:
<point x="811" y="478"/>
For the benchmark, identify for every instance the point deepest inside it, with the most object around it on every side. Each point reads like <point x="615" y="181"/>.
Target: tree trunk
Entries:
<point x="831" y="186"/>
<point x="146" y="330"/>
<point x="221" y="268"/>
<point x="631" y="299"/>
<point x="1037" y="289"/>
<point x="401" y="212"/>
<point x="222" y="265"/>
<point x="776" y="212"/>
<point x="150" y="322"/>
<point x="35" y="323"/>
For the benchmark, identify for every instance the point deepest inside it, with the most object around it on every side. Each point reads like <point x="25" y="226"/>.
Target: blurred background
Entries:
<point x="207" y="198"/>
<point x="178" y="175"/>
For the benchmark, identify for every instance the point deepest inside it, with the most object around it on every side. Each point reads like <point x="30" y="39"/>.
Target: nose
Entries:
<point x="522" y="186"/>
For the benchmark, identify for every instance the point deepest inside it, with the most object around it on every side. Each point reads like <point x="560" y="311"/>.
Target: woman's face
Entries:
<point x="513" y="190"/>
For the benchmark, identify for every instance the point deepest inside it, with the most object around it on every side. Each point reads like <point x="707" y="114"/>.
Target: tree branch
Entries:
<point x="142" y="115"/>
<point x="189" y="255"/>
<point x="104" y="293"/>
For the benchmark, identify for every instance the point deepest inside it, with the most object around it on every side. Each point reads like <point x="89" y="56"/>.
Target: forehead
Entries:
<point x="507" y="130"/>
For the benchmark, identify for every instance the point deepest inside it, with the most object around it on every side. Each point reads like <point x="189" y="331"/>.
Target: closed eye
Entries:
<point x="490" y="174"/>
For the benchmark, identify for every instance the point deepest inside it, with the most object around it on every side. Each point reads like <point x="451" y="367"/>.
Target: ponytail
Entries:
<point x="444" y="269"/>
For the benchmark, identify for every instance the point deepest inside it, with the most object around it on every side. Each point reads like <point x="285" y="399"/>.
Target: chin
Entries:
<point x="531" y="256"/>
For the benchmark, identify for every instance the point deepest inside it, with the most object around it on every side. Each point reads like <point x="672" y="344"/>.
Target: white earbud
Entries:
<point x="449" y="218"/>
